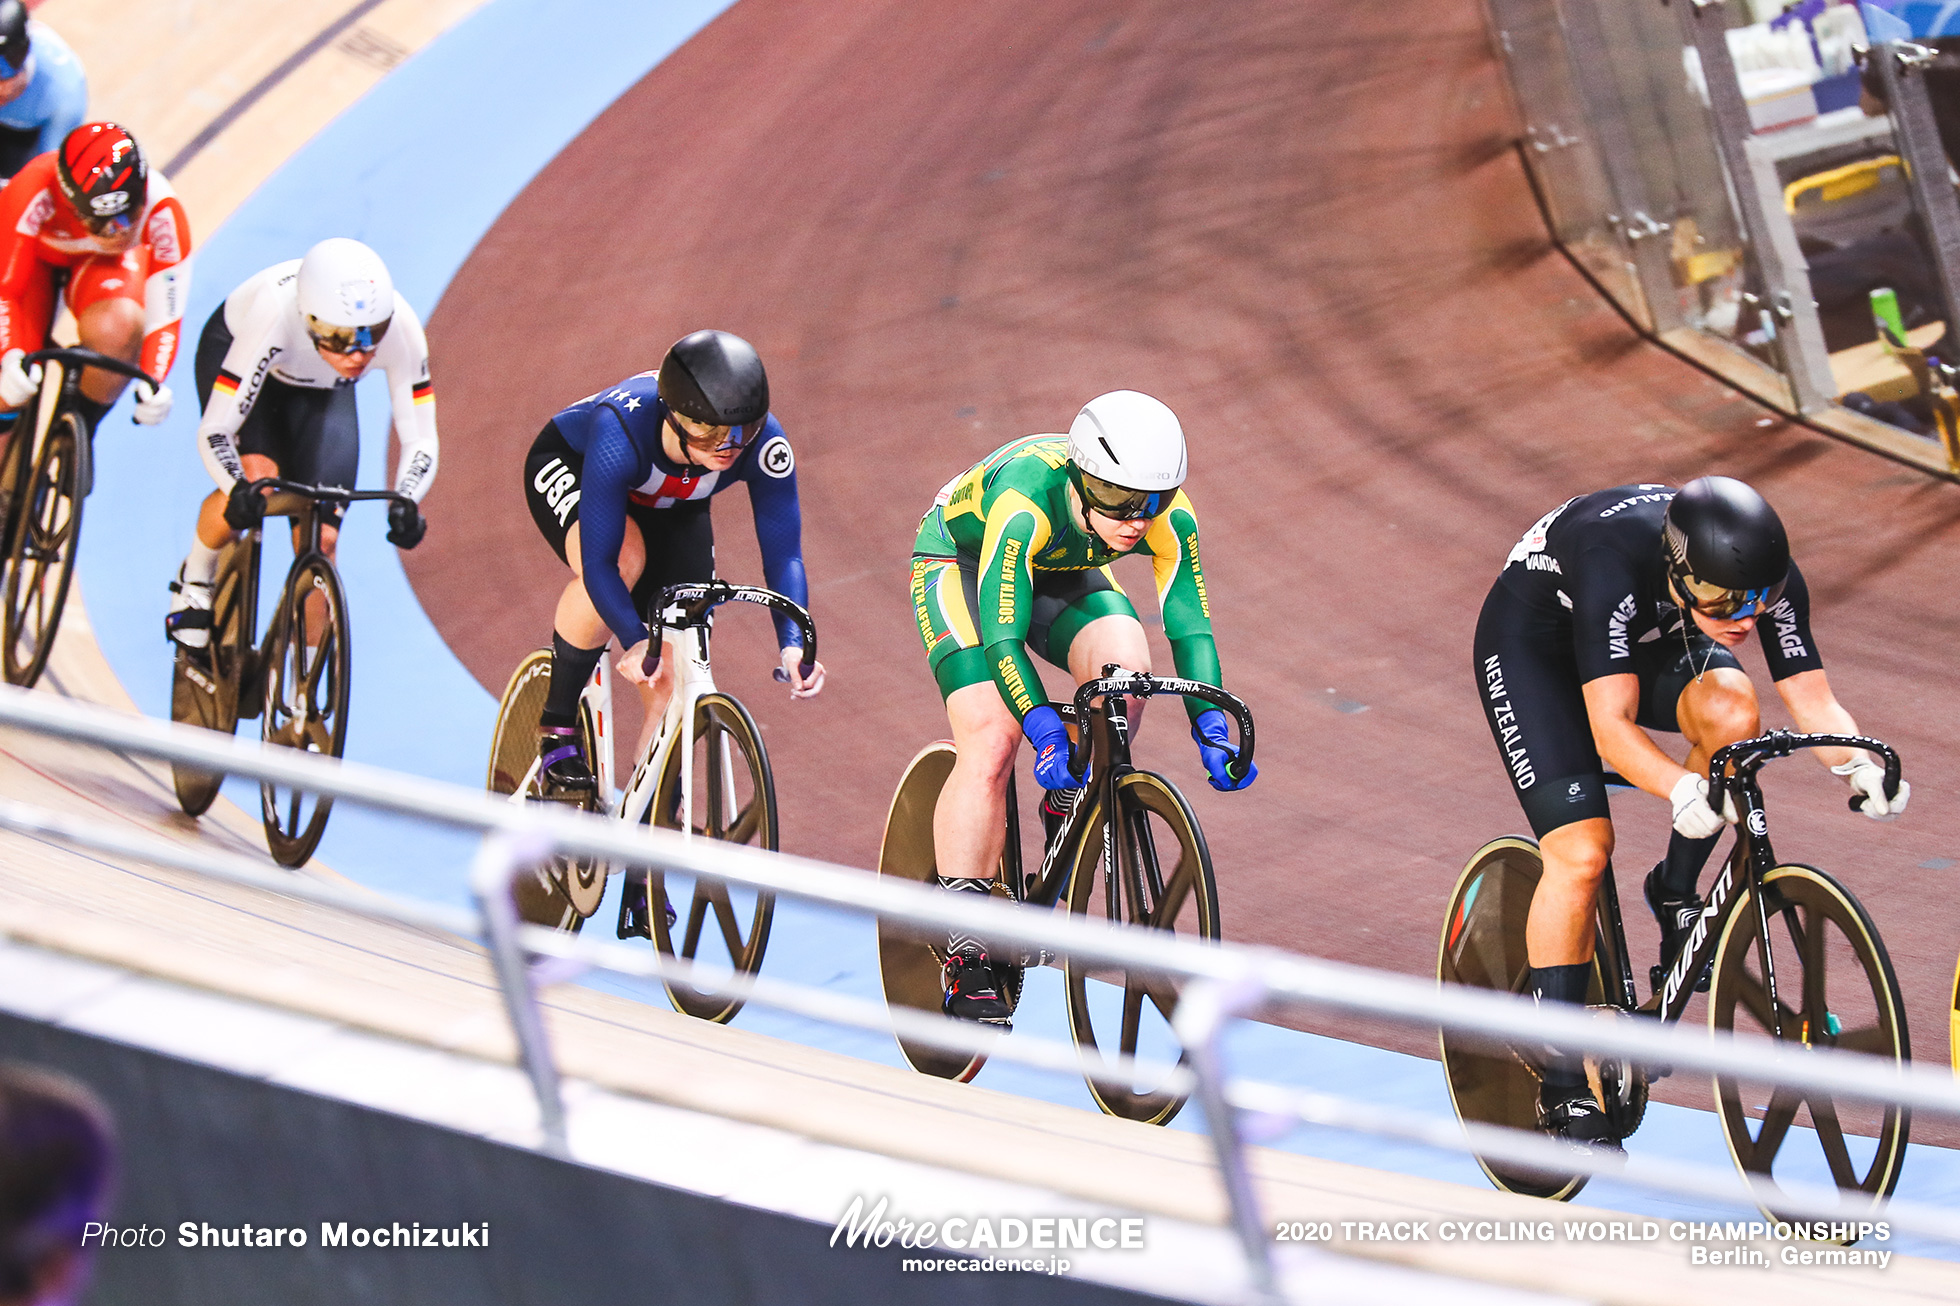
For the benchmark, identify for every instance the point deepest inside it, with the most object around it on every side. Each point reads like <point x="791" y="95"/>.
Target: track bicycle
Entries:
<point x="47" y="471"/>
<point x="295" y="681"/>
<point x="705" y="773"/>
<point x="1160" y="877"/>
<point x="1831" y="985"/>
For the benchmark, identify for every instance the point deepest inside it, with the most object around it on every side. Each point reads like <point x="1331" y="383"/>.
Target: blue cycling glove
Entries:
<point x="1216" y="748"/>
<point x="1044" y="729"/>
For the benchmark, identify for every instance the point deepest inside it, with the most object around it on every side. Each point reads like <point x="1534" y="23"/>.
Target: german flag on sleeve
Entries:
<point x="425" y="393"/>
<point x="225" y="388"/>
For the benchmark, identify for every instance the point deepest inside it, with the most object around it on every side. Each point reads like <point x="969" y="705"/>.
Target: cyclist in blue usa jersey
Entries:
<point x="1616" y="614"/>
<point x="619" y="485"/>
<point x="43" y="94"/>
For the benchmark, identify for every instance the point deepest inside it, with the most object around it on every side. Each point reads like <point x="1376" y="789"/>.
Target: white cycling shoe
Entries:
<point x="189" y="619"/>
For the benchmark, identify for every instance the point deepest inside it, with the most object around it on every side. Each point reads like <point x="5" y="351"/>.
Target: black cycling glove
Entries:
<point x="245" y="508"/>
<point x="406" y="525"/>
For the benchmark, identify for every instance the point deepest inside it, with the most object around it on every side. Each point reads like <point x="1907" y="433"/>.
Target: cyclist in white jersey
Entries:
<point x="276" y="367"/>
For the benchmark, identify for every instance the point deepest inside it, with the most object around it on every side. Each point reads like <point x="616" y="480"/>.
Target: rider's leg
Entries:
<point x="112" y="325"/>
<point x="1558" y="930"/>
<point x="968" y="826"/>
<point x="1715" y="709"/>
<point x="968" y="835"/>
<point x="1559" y="938"/>
<point x="189" y="618"/>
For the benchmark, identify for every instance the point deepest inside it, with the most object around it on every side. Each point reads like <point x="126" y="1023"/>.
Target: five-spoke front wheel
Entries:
<point x="1834" y="988"/>
<point x="307" y="665"/>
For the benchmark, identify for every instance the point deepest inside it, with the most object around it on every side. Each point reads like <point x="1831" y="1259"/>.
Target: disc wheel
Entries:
<point x="41" y="552"/>
<point x="564" y="890"/>
<point x="1953" y="1023"/>
<point x="1160" y="878"/>
<point x="1834" y="988"/>
<point x="911" y="959"/>
<point x="305" y="701"/>
<point x="733" y="800"/>
<point x="1483" y="946"/>
<point x="204" y="685"/>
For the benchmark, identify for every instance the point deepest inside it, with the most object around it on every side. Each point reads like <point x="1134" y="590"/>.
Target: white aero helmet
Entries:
<point x="1126" y="454"/>
<point x="346" y="296"/>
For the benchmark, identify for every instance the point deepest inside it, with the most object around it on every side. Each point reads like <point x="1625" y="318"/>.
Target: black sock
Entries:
<point x="1562" y="984"/>
<point x="1685" y="858"/>
<point x="570" y="669"/>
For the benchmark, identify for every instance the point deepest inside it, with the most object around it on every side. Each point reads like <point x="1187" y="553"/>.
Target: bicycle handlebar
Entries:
<point x="1748" y="756"/>
<point x="698" y="599"/>
<point x="1141" y="684"/>
<point x="319" y="493"/>
<point x="89" y="358"/>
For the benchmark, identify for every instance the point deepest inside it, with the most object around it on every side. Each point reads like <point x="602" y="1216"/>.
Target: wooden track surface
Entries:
<point x="840" y="385"/>
<point x="434" y="990"/>
<point x="946" y="225"/>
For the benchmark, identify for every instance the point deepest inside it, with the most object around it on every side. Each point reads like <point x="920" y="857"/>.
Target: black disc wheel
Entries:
<point x="564" y="890"/>
<point x="731" y="798"/>
<point x="1834" y="988"/>
<point x="204" y="685"/>
<point x="41" y="552"/>
<point x="1483" y="946"/>
<point x="911" y="958"/>
<point x="306" y="672"/>
<point x="1159" y="877"/>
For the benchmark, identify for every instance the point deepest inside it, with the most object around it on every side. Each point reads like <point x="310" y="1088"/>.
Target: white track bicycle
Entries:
<point x="705" y="763"/>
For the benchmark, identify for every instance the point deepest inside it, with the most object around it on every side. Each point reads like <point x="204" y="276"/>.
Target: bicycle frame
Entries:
<point x="1101" y="732"/>
<point x="686" y="610"/>
<point x="1732" y="770"/>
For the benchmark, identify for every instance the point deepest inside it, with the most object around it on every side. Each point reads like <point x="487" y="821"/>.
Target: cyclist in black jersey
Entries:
<point x="1618" y="610"/>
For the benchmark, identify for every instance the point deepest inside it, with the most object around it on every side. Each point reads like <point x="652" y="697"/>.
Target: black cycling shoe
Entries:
<point x="971" y="991"/>
<point x="1573" y="1116"/>
<point x="1677" y="917"/>
<point x="562" y="768"/>
<point x="634" y="920"/>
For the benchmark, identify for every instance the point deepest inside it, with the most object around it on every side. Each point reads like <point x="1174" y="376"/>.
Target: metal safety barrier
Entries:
<point x="1222" y="982"/>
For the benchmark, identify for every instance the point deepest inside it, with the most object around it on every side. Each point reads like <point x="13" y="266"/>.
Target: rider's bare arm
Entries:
<point x="1817" y="711"/>
<point x="1612" y="704"/>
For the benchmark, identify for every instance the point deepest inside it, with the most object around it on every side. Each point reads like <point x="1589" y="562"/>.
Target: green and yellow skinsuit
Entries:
<point x="999" y="564"/>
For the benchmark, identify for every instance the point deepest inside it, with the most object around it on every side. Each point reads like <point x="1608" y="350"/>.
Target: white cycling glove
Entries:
<point x="152" y="406"/>
<point x="18" y="385"/>
<point x="1693" y="817"/>
<point x="1868" y="778"/>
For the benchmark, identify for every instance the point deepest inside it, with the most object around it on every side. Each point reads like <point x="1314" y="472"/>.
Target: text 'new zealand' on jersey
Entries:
<point x="1597" y="562"/>
<point x="618" y="434"/>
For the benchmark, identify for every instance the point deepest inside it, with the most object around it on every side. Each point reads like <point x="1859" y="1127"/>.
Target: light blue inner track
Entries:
<point x="420" y="168"/>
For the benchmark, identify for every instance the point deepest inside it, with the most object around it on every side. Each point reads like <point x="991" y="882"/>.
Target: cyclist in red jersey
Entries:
<point x="92" y="212"/>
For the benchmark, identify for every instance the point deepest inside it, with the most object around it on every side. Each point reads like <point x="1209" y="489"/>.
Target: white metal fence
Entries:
<point x="1221" y="983"/>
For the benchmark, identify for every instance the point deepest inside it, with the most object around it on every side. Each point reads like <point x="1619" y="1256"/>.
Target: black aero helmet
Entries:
<point x="715" y="378"/>
<point x="13" y="39"/>
<point x="1727" y="553"/>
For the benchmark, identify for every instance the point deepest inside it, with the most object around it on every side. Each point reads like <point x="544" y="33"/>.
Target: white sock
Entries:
<point x="201" y="563"/>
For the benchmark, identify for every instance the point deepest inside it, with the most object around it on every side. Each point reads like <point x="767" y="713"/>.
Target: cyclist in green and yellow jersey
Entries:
<point x="1014" y="557"/>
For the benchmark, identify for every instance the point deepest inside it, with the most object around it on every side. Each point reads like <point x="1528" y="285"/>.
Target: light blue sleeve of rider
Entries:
<point x="56" y="100"/>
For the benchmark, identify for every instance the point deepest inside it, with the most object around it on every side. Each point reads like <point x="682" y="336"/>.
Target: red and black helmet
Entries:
<point x="104" y="177"/>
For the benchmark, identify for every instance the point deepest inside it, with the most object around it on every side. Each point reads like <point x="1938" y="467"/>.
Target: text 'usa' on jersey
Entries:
<point x="1597" y="563"/>
<point x="618" y="432"/>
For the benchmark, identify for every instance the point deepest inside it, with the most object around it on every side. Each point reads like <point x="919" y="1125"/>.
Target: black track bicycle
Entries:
<point x="295" y="680"/>
<point x="1794" y="957"/>
<point x="1130" y="850"/>
<point x="45" y="474"/>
